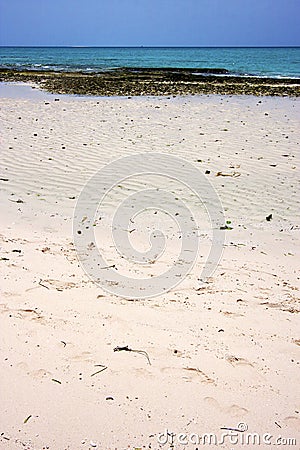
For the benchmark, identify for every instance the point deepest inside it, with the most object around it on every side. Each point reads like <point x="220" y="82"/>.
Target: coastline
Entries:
<point x="154" y="82"/>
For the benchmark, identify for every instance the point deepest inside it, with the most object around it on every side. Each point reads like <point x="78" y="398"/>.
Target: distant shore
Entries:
<point x="154" y="82"/>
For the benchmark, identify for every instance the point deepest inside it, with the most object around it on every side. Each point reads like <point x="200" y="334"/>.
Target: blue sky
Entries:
<point x="150" y="22"/>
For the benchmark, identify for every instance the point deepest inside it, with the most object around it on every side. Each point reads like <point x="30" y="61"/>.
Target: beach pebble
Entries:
<point x="5" y="436"/>
<point x="93" y="444"/>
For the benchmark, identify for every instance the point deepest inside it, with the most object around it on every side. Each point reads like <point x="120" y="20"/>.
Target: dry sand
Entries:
<point x="221" y="354"/>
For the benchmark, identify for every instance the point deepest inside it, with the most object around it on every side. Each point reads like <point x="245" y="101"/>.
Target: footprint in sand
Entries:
<point x="212" y="402"/>
<point x="293" y="422"/>
<point x="30" y="314"/>
<point x="232" y="314"/>
<point x="143" y="372"/>
<point x="3" y="308"/>
<point x="245" y="368"/>
<point x="57" y="284"/>
<point x="41" y="373"/>
<point x="236" y="411"/>
<point x="235" y="361"/>
<point x="83" y="356"/>
<point x="189" y="374"/>
<point x="23" y="366"/>
<point x="233" y="410"/>
<point x="37" y="374"/>
<point x="11" y="294"/>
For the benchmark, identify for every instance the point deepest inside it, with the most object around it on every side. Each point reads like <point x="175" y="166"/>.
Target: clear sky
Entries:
<point x="150" y="22"/>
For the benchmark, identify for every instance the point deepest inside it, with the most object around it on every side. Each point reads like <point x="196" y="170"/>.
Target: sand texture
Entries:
<point x="221" y="354"/>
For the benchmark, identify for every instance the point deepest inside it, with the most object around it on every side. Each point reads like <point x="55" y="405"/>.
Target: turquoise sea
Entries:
<point x="258" y="61"/>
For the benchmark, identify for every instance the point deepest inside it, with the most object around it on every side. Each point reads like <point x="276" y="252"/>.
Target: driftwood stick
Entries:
<point x="98" y="371"/>
<point x="43" y="285"/>
<point x="127" y="349"/>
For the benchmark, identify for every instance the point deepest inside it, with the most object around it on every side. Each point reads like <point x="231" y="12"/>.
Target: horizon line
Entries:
<point x="149" y="46"/>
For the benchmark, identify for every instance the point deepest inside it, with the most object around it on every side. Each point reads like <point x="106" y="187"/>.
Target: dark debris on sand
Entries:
<point x="154" y="82"/>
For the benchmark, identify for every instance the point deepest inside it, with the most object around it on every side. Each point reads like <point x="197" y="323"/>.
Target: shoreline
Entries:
<point x="128" y="82"/>
<point x="32" y="91"/>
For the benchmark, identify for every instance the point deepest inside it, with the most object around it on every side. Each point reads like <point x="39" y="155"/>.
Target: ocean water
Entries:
<point x="262" y="62"/>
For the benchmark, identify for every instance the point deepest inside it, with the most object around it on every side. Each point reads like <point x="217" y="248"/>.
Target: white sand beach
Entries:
<point x="222" y="353"/>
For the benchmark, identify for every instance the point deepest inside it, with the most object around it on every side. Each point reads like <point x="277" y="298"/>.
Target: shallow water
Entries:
<point x="271" y="62"/>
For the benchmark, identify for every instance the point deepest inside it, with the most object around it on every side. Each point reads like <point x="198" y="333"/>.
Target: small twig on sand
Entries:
<point x="98" y="371"/>
<point x="233" y="175"/>
<point x="127" y="349"/>
<point x="43" y="285"/>
<point x="16" y="201"/>
<point x="232" y="429"/>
